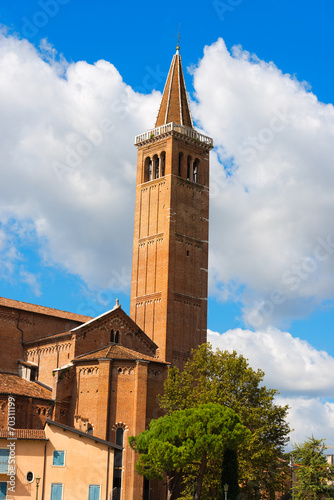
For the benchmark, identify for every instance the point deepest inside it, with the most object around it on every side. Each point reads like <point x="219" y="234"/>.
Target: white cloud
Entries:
<point x="291" y="365"/>
<point x="31" y="280"/>
<point x="270" y="208"/>
<point x="301" y="374"/>
<point x="68" y="167"/>
<point x="67" y="158"/>
<point x="310" y="416"/>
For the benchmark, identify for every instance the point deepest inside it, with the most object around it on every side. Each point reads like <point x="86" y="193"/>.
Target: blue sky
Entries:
<point x="65" y="241"/>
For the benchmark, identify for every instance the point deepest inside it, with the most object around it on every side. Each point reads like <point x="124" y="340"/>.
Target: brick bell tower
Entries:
<point x="170" y="247"/>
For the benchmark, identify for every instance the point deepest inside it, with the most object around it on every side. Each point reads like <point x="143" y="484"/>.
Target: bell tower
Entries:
<point x="170" y="246"/>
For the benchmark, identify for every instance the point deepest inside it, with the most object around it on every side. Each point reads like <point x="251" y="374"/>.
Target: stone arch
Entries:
<point x="148" y="174"/>
<point x="163" y="164"/>
<point x="189" y="168"/>
<point x="195" y="170"/>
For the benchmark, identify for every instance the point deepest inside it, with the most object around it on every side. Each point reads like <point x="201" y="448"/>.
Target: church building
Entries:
<point x="77" y="387"/>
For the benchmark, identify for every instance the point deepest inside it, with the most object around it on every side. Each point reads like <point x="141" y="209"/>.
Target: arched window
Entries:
<point x="119" y="436"/>
<point x="195" y="170"/>
<point x="116" y="337"/>
<point x="188" y="167"/>
<point x="112" y="336"/>
<point x="180" y="164"/>
<point x="148" y="169"/>
<point x="156" y="167"/>
<point x="163" y="163"/>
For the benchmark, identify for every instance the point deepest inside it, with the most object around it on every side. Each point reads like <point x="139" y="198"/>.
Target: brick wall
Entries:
<point x="170" y="247"/>
<point x="19" y="326"/>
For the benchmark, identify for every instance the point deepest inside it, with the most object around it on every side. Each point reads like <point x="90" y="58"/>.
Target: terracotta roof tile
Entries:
<point x="22" y="434"/>
<point x="14" y="384"/>
<point x="116" y="351"/>
<point x="24" y="306"/>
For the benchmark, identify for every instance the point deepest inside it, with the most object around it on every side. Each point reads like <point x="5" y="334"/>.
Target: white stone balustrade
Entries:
<point x="154" y="133"/>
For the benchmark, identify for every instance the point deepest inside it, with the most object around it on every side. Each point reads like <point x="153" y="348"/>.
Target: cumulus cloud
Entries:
<point x="272" y="235"/>
<point x="300" y="373"/>
<point x="310" y="416"/>
<point x="68" y="162"/>
<point x="291" y="365"/>
<point x="68" y="168"/>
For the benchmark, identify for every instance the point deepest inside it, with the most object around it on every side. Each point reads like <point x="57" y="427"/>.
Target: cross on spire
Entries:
<point x="178" y="39"/>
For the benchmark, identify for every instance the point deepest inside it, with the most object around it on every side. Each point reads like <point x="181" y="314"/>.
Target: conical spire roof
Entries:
<point x="174" y="105"/>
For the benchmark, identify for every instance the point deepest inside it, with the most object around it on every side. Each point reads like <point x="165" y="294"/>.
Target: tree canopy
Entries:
<point x="187" y="438"/>
<point x="312" y="472"/>
<point x="227" y="379"/>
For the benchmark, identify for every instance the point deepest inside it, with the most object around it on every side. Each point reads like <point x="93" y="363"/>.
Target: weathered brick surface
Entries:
<point x="21" y="322"/>
<point x="170" y="247"/>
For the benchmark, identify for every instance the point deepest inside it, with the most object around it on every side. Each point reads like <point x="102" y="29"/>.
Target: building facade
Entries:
<point x="76" y="378"/>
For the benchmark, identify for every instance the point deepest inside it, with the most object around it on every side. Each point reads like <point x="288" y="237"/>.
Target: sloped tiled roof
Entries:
<point x="14" y="384"/>
<point x="174" y="105"/>
<point x="24" y="306"/>
<point x="116" y="351"/>
<point x="35" y="434"/>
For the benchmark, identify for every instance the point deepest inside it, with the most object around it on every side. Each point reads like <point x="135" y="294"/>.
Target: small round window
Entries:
<point x="30" y="477"/>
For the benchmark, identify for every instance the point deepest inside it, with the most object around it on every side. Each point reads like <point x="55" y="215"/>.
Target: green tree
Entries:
<point x="312" y="470"/>
<point x="227" y="379"/>
<point x="186" y="438"/>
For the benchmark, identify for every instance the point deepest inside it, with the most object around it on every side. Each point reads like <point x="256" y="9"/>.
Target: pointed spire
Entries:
<point x="174" y="105"/>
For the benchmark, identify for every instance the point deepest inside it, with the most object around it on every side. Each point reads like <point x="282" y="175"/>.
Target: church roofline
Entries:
<point x="96" y="318"/>
<point x="118" y="308"/>
<point x="174" y="129"/>
<point x="25" y="306"/>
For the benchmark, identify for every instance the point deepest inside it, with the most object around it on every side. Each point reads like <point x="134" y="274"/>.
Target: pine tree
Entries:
<point x="313" y="473"/>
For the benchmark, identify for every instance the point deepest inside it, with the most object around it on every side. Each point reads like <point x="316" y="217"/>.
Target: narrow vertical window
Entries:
<point x="180" y="164"/>
<point x="146" y="487"/>
<point x="119" y="436"/>
<point x="188" y="168"/>
<point x="156" y="167"/>
<point x="195" y="170"/>
<point x="116" y="337"/>
<point x="118" y="459"/>
<point x="112" y="336"/>
<point x="163" y="164"/>
<point x="148" y="169"/>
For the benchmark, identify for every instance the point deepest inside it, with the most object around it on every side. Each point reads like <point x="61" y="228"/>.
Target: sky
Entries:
<point x="78" y="81"/>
